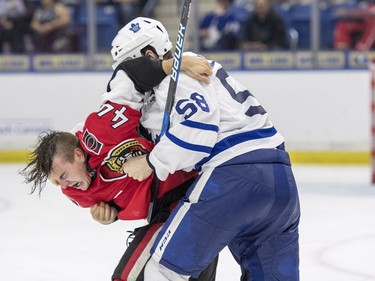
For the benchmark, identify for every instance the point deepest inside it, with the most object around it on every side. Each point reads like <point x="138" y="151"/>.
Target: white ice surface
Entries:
<point x="50" y="239"/>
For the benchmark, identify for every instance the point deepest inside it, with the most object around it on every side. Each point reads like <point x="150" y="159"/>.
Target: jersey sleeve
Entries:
<point x="121" y="90"/>
<point x="193" y="131"/>
<point x="145" y="72"/>
<point x="131" y="79"/>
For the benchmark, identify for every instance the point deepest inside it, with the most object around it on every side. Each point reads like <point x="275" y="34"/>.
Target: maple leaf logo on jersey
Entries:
<point x="91" y="142"/>
<point x="111" y="168"/>
<point x="134" y="27"/>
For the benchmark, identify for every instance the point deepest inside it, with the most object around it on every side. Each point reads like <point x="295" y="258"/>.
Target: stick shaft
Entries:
<point x="177" y="59"/>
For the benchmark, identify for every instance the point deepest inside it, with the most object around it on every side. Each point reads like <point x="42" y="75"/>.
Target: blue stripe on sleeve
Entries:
<point x="202" y="126"/>
<point x="188" y="146"/>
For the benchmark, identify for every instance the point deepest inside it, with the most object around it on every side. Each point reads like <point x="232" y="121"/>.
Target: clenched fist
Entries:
<point x="137" y="168"/>
<point x="103" y="213"/>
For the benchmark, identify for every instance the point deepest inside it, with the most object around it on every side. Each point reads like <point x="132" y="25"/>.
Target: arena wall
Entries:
<point x="322" y="114"/>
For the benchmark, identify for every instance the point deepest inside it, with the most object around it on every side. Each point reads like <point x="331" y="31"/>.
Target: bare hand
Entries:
<point x="137" y="168"/>
<point x="103" y="213"/>
<point x="197" y="67"/>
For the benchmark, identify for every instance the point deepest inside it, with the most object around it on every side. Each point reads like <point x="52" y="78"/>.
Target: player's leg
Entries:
<point x="215" y="209"/>
<point x="232" y="200"/>
<point x="155" y="271"/>
<point x="270" y="251"/>
<point x="189" y="237"/>
<point x="276" y="259"/>
<point x="131" y="265"/>
<point x="209" y="273"/>
<point x="164" y="207"/>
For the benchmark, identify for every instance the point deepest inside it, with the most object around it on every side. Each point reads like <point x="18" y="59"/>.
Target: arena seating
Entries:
<point x="298" y="17"/>
<point x="107" y="25"/>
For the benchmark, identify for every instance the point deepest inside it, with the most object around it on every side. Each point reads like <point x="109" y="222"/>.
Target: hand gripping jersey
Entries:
<point x="210" y="124"/>
<point x="109" y="138"/>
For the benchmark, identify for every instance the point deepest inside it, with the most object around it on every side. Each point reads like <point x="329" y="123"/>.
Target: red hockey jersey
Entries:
<point x="109" y="137"/>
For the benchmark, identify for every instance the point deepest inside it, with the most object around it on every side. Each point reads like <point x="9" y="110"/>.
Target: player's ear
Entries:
<point x="151" y="54"/>
<point x="79" y="155"/>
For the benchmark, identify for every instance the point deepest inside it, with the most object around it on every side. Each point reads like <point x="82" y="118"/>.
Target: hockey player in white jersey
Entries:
<point x="245" y="196"/>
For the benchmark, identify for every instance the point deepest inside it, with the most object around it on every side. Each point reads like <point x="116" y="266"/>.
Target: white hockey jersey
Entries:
<point x="210" y="124"/>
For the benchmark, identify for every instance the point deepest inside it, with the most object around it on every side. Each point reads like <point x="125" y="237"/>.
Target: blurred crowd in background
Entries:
<point x="264" y="25"/>
<point x="53" y="26"/>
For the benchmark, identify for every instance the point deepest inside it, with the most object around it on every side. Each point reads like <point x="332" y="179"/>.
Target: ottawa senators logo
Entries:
<point x="91" y="142"/>
<point x="111" y="168"/>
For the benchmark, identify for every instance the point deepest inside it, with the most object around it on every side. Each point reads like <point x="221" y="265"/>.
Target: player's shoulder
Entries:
<point x="109" y="114"/>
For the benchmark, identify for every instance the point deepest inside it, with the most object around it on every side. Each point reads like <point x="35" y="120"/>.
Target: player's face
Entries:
<point x="68" y="174"/>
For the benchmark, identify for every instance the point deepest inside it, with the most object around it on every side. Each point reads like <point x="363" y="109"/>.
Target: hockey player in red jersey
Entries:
<point x="88" y="167"/>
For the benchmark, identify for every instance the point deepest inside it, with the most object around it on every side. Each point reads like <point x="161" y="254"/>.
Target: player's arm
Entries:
<point x="146" y="72"/>
<point x="132" y="78"/>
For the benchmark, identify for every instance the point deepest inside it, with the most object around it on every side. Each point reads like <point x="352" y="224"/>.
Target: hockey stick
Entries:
<point x="177" y="59"/>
